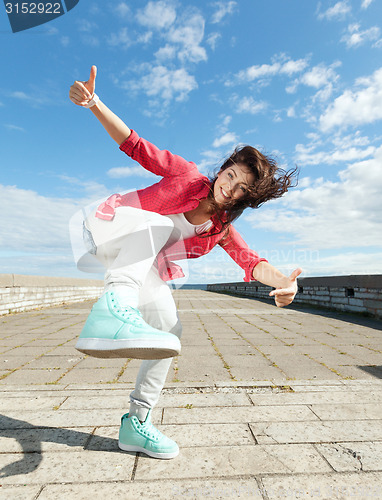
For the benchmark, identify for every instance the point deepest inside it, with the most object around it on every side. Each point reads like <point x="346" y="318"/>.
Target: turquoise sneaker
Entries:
<point x="113" y="331"/>
<point x="134" y="436"/>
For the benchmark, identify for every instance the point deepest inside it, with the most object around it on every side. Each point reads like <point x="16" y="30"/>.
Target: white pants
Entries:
<point x="127" y="247"/>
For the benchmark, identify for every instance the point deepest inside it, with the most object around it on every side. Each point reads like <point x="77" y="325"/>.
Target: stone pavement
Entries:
<point x="263" y="402"/>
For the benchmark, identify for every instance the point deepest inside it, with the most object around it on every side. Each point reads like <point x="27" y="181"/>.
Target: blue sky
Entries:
<point x="301" y="80"/>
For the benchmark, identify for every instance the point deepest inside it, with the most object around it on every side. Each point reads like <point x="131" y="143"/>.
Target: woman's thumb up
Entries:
<point x="90" y="84"/>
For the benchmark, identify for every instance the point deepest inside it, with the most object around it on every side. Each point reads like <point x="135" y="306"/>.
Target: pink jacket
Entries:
<point x="180" y="190"/>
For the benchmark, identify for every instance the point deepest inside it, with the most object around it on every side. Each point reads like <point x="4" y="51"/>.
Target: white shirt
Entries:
<point x="186" y="229"/>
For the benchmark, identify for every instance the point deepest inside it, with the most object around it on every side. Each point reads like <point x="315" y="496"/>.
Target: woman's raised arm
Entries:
<point x="82" y="94"/>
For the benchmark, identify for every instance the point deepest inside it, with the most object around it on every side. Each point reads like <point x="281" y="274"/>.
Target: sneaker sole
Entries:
<point x="153" y="454"/>
<point x="122" y="348"/>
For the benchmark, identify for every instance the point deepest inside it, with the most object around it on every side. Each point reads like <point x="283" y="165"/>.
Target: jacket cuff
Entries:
<point x="129" y="144"/>
<point x="249" y="272"/>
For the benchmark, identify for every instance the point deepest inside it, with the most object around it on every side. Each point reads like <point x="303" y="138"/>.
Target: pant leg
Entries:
<point x="127" y="246"/>
<point x="159" y="310"/>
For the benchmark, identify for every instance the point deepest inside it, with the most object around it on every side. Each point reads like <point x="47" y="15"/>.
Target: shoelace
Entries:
<point x="134" y="315"/>
<point x="151" y="431"/>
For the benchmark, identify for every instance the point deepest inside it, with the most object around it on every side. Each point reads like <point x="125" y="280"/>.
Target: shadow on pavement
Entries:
<point x="30" y="437"/>
<point x="376" y="371"/>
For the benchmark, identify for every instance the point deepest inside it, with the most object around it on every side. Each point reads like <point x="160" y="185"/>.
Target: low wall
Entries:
<point x="22" y="293"/>
<point x="358" y="293"/>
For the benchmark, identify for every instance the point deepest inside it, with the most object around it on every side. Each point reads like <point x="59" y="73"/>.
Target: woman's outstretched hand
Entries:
<point x="81" y="92"/>
<point x="284" y="296"/>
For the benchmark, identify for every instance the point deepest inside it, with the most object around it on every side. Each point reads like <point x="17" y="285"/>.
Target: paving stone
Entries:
<point x="34" y="402"/>
<point x="105" y="401"/>
<point x="31" y="352"/>
<point x="25" y="390"/>
<point x="243" y="373"/>
<point x="192" y="489"/>
<point x="166" y="400"/>
<point x="354" y="372"/>
<point x="91" y="375"/>
<point x="12" y="362"/>
<point x="323" y="384"/>
<point x="353" y="456"/>
<point x="21" y="492"/>
<point x="317" y="432"/>
<point x="64" y="418"/>
<point x="201" y="435"/>
<point x="238" y="414"/>
<point x="95" y="389"/>
<point x="323" y="397"/>
<point x="37" y="440"/>
<point x="317" y="388"/>
<point x="65" y="467"/>
<point x="90" y="362"/>
<point x="325" y="486"/>
<point x="365" y="411"/>
<point x="36" y="376"/>
<point x="63" y="351"/>
<point x="220" y="461"/>
<point x="63" y="362"/>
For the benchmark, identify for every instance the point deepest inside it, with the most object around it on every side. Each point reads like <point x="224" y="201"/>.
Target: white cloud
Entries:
<point x="86" y="26"/>
<point x="331" y="214"/>
<point x="306" y="156"/>
<point x="256" y="72"/>
<point x="248" y="105"/>
<point x="14" y="127"/>
<point x="42" y="223"/>
<point x="166" y="52"/>
<point x="227" y="138"/>
<point x="223" y="9"/>
<point x="122" y="172"/>
<point x="41" y="244"/>
<point x="163" y="83"/>
<point x="121" y="39"/>
<point x="355" y="107"/>
<point x="145" y="38"/>
<point x="90" y="40"/>
<point x="338" y="11"/>
<point x="122" y="10"/>
<point x="157" y="15"/>
<point x="188" y="37"/>
<point x="224" y="121"/>
<point x="320" y="75"/>
<point x="209" y="161"/>
<point x="291" y="112"/>
<point x="212" y="40"/>
<point x="37" y="97"/>
<point x="366" y="3"/>
<point x="290" y="67"/>
<point x="354" y="37"/>
<point x="340" y="149"/>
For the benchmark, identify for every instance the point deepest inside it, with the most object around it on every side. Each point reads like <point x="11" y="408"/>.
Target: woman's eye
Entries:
<point x="230" y="175"/>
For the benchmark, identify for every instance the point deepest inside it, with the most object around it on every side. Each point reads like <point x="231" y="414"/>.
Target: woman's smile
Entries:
<point x="225" y="195"/>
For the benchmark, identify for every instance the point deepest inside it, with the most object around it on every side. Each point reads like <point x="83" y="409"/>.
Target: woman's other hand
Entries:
<point x="284" y="296"/>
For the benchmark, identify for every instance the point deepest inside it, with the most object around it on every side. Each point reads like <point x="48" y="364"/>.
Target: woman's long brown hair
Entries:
<point x="270" y="182"/>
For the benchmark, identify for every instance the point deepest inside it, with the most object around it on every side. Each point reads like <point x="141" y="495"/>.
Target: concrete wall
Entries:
<point x="358" y="293"/>
<point x="22" y="293"/>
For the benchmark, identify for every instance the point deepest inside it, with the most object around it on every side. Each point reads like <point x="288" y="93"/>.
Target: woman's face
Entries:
<point x="232" y="183"/>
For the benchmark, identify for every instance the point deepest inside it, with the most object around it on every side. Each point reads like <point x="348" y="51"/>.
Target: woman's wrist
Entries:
<point x="93" y="101"/>
<point x="269" y="275"/>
